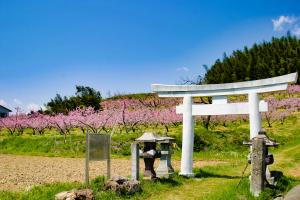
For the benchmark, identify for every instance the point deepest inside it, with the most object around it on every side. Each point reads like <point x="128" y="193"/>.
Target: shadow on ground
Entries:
<point x="171" y="182"/>
<point x="202" y="173"/>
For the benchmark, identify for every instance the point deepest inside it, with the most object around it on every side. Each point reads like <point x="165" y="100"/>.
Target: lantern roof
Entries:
<point x="148" y="137"/>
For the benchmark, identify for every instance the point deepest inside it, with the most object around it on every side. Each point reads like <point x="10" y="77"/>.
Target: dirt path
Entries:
<point x="288" y="161"/>
<point x="19" y="172"/>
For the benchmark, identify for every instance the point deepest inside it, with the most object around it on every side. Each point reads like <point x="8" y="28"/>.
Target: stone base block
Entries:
<point x="188" y="175"/>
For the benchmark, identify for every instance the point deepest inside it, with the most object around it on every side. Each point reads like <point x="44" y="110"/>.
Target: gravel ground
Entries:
<point x="20" y="172"/>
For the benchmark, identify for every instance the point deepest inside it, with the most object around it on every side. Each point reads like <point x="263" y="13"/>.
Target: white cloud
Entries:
<point x="280" y="23"/>
<point x="17" y="102"/>
<point x="183" y="69"/>
<point x="2" y="102"/>
<point x="33" y="107"/>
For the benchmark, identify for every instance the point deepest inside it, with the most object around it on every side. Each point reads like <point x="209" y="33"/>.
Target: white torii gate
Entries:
<point x="219" y="106"/>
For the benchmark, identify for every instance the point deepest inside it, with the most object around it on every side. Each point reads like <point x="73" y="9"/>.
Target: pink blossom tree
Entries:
<point x="38" y="123"/>
<point x="63" y="124"/>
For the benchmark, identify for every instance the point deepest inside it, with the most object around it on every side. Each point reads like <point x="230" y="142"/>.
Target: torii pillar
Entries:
<point x="254" y="115"/>
<point x="187" y="137"/>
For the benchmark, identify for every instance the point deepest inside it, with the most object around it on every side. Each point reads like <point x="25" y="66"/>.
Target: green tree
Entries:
<point x="268" y="59"/>
<point x="84" y="97"/>
<point x="89" y="97"/>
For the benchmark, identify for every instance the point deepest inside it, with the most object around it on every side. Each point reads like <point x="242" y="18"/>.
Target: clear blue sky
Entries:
<point x="48" y="47"/>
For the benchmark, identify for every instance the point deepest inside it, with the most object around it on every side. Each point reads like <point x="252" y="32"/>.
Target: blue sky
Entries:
<point x="48" y="47"/>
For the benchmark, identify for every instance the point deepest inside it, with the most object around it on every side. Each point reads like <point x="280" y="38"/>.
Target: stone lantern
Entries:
<point x="165" y="169"/>
<point x="149" y="153"/>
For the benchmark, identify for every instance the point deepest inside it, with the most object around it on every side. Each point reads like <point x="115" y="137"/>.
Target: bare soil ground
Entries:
<point x="20" y="172"/>
<point x="295" y="171"/>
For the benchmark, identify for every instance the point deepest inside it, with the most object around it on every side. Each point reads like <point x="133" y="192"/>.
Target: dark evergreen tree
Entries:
<point x="268" y="59"/>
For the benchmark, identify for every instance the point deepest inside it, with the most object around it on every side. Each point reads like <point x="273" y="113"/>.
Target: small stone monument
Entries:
<point x="135" y="161"/>
<point x="260" y="159"/>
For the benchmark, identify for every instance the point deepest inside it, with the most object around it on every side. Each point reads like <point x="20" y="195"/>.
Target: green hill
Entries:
<point x="138" y="96"/>
<point x="268" y="59"/>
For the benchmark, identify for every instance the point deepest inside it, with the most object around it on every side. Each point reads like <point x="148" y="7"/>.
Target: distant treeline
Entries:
<point x="268" y="59"/>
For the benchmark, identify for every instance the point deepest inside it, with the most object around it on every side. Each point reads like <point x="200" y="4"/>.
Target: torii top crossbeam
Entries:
<point x="257" y="86"/>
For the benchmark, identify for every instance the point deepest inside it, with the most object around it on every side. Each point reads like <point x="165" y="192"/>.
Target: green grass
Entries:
<point x="52" y="145"/>
<point x="44" y="192"/>
<point x="43" y="145"/>
<point x="48" y="191"/>
<point x="222" y="183"/>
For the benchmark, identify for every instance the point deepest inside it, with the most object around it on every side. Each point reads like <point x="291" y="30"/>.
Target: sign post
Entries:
<point x="97" y="149"/>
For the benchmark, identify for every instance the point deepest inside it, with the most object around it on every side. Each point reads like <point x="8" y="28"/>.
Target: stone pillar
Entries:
<point x="108" y="159"/>
<point x="254" y="115"/>
<point x="258" y="166"/>
<point x="165" y="169"/>
<point x="187" y="138"/>
<point x="169" y="159"/>
<point x="135" y="161"/>
<point x="87" y="159"/>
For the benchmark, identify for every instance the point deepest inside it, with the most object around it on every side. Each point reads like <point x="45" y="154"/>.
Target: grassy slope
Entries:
<point x="52" y="144"/>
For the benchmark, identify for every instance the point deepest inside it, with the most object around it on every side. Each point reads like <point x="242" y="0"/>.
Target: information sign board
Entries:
<point x="97" y="148"/>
